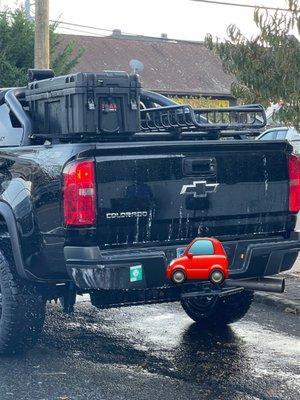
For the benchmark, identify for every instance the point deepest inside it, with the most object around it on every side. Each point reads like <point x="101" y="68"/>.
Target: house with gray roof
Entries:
<point x="185" y="71"/>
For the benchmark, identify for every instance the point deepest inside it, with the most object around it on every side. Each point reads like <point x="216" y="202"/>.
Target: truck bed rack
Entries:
<point x="163" y="120"/>
<point x="183" y="118"/>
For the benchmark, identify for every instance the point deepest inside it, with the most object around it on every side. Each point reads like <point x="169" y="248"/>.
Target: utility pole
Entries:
<point x="41" y="44"/>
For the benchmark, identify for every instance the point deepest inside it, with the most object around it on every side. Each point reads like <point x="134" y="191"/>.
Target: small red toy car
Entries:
<point x="203" y="259"/>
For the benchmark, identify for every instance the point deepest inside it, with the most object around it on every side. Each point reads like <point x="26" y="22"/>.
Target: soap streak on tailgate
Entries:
<point x="171" y="193"/>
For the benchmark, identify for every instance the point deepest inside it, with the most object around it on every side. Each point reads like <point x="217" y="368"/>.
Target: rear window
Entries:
<point x="201" y="248"/>
<point x="282" y="135"/>
<point x="269" y="136"/>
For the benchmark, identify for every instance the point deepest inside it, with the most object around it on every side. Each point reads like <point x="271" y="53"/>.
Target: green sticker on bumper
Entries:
<point x="136" y="273"/>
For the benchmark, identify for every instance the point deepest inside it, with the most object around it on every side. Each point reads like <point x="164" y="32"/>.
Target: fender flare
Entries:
<point x="7" y="213"/>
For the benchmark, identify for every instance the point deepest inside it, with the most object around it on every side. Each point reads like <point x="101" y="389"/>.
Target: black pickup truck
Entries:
<point x="105" y="217"/>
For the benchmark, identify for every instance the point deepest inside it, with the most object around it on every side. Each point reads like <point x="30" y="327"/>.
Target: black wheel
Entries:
<point x="217" y="312"/>
<point x="178" y="276"/>
<point x="217" y="276"/>
<point x="22" y="311"/>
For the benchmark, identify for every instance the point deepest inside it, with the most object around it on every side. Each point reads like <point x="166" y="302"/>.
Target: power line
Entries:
<point x="123" y="34"/>
<point x="222" y="3"/>
<point x="212" y="2"/>
<point x="82" y="26"/>
<point x="81" y="31"/>
<point x="97" y="29"/>
<point x="112" y="31"/>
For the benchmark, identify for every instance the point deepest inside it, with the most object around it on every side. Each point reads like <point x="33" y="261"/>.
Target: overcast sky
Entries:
<point x="182" y="19"/>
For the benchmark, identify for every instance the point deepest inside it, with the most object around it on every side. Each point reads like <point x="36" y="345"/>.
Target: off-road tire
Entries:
<point x="22" y="310"/>
<point x="217" y="312"/>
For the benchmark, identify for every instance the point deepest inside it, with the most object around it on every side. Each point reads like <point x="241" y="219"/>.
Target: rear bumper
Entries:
<point x="92" y="268"/>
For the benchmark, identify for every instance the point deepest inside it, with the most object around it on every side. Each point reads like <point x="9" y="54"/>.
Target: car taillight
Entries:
<point x="79" y="193"/>
<point x="294" y="175"/>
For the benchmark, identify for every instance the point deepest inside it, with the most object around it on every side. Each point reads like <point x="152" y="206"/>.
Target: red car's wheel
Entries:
<point x="178" y="276"/>
<point x="217" y="276"/>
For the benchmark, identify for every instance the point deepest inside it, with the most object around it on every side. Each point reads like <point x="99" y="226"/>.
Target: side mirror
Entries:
<point x="189" y="255"/>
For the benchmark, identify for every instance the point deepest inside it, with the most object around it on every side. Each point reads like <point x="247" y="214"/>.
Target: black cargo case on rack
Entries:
<point x="105" y="103"/>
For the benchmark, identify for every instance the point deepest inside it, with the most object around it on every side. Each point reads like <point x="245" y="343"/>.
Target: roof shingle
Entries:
<point x="170" y="67"/>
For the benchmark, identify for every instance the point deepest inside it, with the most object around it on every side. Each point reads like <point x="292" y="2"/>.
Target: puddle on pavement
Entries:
<point x="161" y="339"/>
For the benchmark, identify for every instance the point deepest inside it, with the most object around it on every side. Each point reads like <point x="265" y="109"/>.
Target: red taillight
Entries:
<point x="294" y="175"/>
<point x="80" y="193"/>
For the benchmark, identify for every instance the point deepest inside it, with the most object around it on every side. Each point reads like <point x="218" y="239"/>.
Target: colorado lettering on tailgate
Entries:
<point x="133" y="214"/>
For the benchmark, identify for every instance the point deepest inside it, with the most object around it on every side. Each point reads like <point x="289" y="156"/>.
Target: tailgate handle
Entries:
<point x="200" y="166"/>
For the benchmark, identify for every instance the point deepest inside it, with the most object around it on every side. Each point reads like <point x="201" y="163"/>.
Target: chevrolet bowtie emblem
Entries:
<point x="199" y="188"/>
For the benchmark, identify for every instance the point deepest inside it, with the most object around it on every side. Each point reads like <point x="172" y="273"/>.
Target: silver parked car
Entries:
<point x="283" y="133"/>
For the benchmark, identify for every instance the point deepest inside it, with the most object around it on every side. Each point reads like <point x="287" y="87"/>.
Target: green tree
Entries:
<point x="17" y="49"/>
<point x="266" y="66"/>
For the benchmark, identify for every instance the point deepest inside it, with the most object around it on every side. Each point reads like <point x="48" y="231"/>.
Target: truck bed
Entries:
<point x="152" y="198"/>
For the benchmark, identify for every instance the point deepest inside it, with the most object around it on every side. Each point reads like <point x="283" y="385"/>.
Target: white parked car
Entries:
<point x="283" y="133"/>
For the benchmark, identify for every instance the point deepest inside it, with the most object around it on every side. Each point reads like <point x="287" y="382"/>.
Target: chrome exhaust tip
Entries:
<point x="274" y="285"/>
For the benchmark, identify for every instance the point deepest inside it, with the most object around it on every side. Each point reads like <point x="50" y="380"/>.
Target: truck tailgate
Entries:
<point x="171" y="192"/>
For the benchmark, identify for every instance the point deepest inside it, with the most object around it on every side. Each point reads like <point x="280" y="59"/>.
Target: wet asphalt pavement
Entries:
<point x="153" y="352"/>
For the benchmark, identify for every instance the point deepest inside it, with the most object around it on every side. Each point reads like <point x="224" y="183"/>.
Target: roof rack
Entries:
<point x="182" y="118"/>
